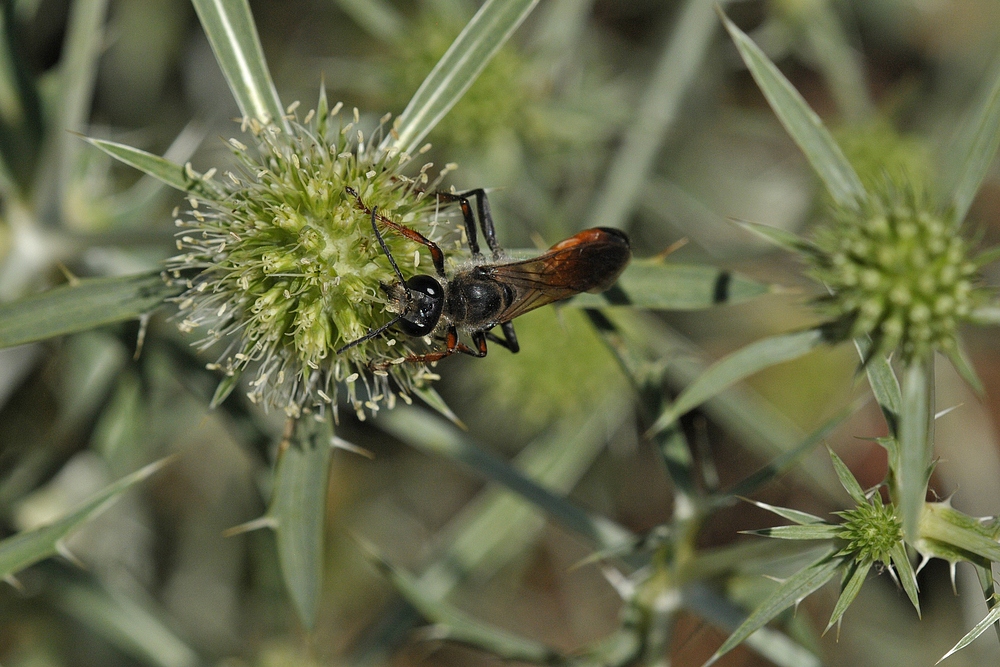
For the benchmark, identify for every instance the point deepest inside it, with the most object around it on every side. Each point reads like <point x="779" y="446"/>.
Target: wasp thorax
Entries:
<point x="476" y="299"/>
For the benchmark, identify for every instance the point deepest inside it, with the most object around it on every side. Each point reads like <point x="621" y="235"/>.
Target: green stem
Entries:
<point x="916" y="441"/>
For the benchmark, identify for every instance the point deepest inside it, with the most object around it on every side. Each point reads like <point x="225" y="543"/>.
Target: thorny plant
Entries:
<point x="278" y="270"/>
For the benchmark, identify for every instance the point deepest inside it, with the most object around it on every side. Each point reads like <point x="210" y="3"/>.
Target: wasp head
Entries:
<point x="420" y="301"/>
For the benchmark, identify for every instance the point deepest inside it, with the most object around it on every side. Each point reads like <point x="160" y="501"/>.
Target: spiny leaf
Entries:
<point x="179" y="177"/>
<point x="960" y="361"/>
<point x="738" y="365"/>
<point x="883" y="381"/>
<point x="230" y="29"/>
<point x="793" y="589"/>
<point x="298" y="509"/>
<point x="988" y="585"/>
<point x="813" y="531"/>
<point x="974" y="150"/>
<point x="433" y="399"/>
<point x="658" y="285"/>
<point x="849" y="591"/>
<point x="26" y="548"/>
<point x="801" y="122"/>
<point x="907" y="577"/>
<point x="87" y="304"/>
<point x="458" y="68"/>
<point x="982" y="626"/>
<point x="847" y="479"/>
<point x="801" y="518"/>
<point x="779" y="237"/>
<point x="986" y="315"/>
<point x="986" y="257"/>
<point x="224" y="388"/>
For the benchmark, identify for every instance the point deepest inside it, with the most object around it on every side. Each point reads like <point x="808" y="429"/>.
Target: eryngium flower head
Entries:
<point x="289" y="270"/>
<point x="898" y="271"/>
<point x="871" y="530"/>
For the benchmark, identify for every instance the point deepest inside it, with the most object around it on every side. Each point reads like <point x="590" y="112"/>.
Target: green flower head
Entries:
<point x="898" y="271"/>
<point x="284" y="269"/>
<point x="871" y="530"/>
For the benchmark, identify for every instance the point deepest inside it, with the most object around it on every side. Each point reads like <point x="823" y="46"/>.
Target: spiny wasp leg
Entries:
<point x="437" y="257"/>
<point x="509" y="339"/>
<point x="452" y="346"/>
<point x="485" y="219"/>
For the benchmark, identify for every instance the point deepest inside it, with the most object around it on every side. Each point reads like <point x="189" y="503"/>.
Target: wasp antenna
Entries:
<point x="371" y="334"/>
<point x="385" y="248"/>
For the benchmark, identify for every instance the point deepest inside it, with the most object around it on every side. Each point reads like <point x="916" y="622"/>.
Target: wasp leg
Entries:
<point x="479" y="339"/>
<point x="453" y="345"/>
<point x="485" y="219"/>
<point x="437" y="257"/>
<point x="509" y="339"/>
<point x="470" y="219"/>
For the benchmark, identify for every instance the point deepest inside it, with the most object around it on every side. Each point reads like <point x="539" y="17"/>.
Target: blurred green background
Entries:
<point x="575" y="122"/>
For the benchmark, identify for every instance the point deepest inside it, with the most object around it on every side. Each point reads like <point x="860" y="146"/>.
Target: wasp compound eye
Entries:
<point x="426" y="302"/>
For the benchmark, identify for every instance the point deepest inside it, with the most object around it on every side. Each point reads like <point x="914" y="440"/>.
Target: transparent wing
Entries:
<point x="589" y="261"/>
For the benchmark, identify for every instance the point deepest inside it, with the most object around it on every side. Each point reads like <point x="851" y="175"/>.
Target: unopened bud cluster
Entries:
<point x="897" y="272"/>
<point x="289" y="270"/>
<point x="871" y="531"/>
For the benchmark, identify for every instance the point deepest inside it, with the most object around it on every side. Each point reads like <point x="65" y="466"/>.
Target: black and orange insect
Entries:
<point x="488" y="294"/>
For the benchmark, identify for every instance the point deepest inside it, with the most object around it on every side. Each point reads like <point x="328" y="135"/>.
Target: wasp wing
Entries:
<point x="590" y="261"/>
